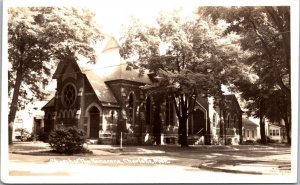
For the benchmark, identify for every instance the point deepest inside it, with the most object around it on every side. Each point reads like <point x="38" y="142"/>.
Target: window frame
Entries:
<point x="63" y="95"/>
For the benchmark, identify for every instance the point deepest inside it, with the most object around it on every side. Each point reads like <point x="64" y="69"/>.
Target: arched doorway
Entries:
<point x="198" y="122"/>
<point x="94" y="122"/>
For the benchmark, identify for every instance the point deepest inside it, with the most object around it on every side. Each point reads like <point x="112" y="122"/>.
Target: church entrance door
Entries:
<point x="94" y="122"/>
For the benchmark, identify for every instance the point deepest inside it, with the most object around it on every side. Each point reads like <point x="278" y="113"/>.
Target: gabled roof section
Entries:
<point x="99" y="77"/>
<point x="276" y="126"/>
<point x="247" y="123"/>
<point x="61" y="65"/>
<point x="111" y="44"/>
<point x="101" y="90"/>
<point x="109" y="68"/>
<point x="116" y="72"/>
<point x="49" y="104"/>
<point x="231" y="99"/>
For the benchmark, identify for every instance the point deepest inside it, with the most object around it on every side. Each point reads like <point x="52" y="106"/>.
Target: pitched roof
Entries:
<point x="231" y="98"/>
<point x="111" y="44"/>
<point x="247" y="123"/>
<point x="49" y="104"/>
<point x="59" y="69"/>
<point x="100" y="73"/>
<point x="98" y="79"/>
<point x="115" y="72"/>
<point x="101" y="90"/>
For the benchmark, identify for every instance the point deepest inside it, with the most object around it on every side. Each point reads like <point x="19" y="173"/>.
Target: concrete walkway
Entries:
<point x="248" y="167"/>
<point x="251" y="159"/>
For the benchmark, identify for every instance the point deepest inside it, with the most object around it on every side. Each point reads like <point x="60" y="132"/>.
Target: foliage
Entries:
<point x="24" y="134"/>
<point x="67" y="140"/>
<point x="43" y="136"/>
<point x="183" y="56"/>
<point x="265" y="39"/>
<point x="38" y="37"/>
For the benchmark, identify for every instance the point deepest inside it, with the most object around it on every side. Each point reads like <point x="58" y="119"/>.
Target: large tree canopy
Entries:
<point x="183" y="55"/>
<point x="37" y="38"/>
<point x="265" y="38"/>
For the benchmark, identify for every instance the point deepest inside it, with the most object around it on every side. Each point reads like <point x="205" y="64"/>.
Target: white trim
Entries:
<point x="206" y="115"/>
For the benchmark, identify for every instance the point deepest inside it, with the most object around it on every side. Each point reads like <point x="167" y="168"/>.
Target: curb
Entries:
<point x="227" y="170"/>
<point x="47" y="153"/>
<point x="50" y="153"/>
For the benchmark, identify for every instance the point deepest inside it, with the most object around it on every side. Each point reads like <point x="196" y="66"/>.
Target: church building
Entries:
<point x="105" y="99"/>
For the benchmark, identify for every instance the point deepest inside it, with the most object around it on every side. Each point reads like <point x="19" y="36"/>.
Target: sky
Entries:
<point x="113" y="14"/>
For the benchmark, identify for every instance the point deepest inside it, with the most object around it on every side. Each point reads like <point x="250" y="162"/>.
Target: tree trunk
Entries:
<point x="157" y="122"/>
<point x="288" y="129"/>
<point x="262" y="129"/>
<point x="183" y="131"/>
<point x="241" y="130"/>
<point x="14" y="103"/>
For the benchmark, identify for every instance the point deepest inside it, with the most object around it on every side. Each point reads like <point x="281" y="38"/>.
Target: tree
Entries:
<point x="183" y="56"/>
<point x="37" y="38"/>
<point x="265" y="38"/>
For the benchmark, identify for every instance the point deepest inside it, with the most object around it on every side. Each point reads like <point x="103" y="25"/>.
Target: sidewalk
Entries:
<point x="41" y="148"/>
<point x="248" y="167"/>
<point x="230" y="159"/>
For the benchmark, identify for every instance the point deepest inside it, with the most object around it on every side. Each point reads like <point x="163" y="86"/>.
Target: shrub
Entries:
<point x="269" y="140"/>
<point x="24" y="134"/>
<point x="68" y="140"/>
<point x="249" y="142"/>
<point x="44" y="136"/>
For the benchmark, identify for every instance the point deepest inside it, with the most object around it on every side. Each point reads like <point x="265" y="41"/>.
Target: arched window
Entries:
<point x="235" y="122"/>
<point x="112" y="116"/>
<point x="169" y="111"/>
<point x="131" y="109"/>
<point x="228" y="121"/>
<point x="214" y="119"/>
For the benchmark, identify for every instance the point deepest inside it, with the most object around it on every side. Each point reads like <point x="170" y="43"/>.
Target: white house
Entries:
<point x="30" y="118"/>
<point x="276" y="131"/>
<point x="249" y="130"/>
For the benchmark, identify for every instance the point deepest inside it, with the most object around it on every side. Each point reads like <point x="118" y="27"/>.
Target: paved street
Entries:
<point x="157" y="162"/>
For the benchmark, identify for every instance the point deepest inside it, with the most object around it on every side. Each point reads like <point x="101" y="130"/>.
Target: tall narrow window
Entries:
<point x="234" y="122"/>
<point x="169" y="111"/>
<point x="148" y="111"/>
<point x="228" y="121"/>
<point x="131" y="109"/>
<point x="214" y="119"/>
<point x="112" y="116"/>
